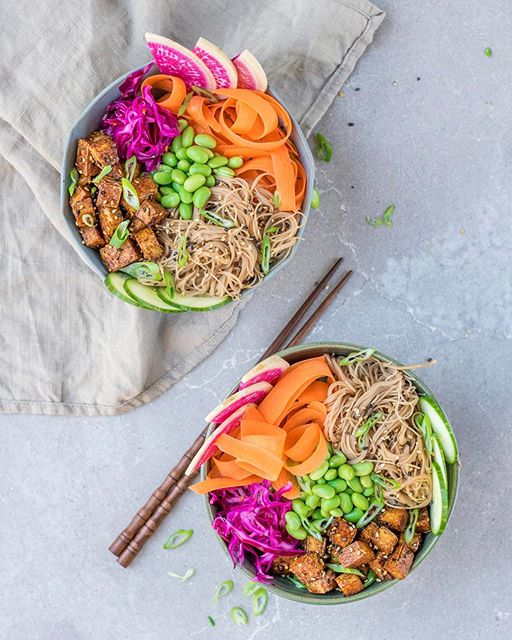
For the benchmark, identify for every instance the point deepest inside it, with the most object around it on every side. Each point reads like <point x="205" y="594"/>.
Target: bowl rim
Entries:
<point x="306" y="157"/>
<point x="430" y="540"/>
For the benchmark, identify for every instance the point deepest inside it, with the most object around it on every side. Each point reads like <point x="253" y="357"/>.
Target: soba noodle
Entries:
<point x="394" y="444"/>
<point x="224" y="261"/>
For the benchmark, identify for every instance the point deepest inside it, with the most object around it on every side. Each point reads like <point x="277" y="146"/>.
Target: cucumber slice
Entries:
<point x="441" y="426"/>
<point x="147" y="296"/>
<point x="193" y="303"/>
<point x="115" y="284"/>
<point x="439" y="504"/>
<point x="439" y="456"/>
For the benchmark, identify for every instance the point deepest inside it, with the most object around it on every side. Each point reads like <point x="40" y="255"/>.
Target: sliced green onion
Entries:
<point x="88" y="220"/>
<point x="130" y="167"/>
<point x="185" y="102"/>
<point x="265" y="254"/>
<point x="186" y="576"/>
<point x="357" y="356"/>
<point x="170" y="284"/>
<point x="337" y="568"/>
<point x="411" y="526"/>
<point x="104" y="172"/>
<point x="384" y="482"/>
<point x="182" y="251"/>
<point x="250" y="588"/>
<point x="120" y="235"/>
<point x="488" y="52"/>
<point x="370" y="579"/>
<point x="211" y="621"/>
<point x="323" y="148"/>
<point x="223" y="589"/>
<point x="315" y="198"/>
<point x="178" y="538"/>
<point x="424" y="426"/>
<point x="271" y="230"/>
<point x="130" y="194"/>
<point x="146" y="270"/>
<point x="295" y="581"/>
<point x="384" y="219"/>
<point x="277" y="200"/>
<point x="371" y="513"/>
<point x="239" y="616"/>
<point x="217" y="219"/>
<point x="259" y="601"/>
<point x="73" y="176"/>
<point x="93" y="190"/>
<point x="364" y="429"/>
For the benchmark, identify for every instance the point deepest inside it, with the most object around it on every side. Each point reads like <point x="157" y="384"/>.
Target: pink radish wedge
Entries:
<point x="176" y="60"/>
<point x="209" y="448"/>
<point x="250" y="72"/>
<point x="255" y="393"/>
<point x="218" y="62"/>
<point x="268" y="370"/>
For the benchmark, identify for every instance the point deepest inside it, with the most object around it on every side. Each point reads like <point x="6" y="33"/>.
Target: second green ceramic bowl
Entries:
<point x="281" y="586"/>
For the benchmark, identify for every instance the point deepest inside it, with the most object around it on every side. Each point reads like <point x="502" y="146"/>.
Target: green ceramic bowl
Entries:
<point x="281" y="586"/>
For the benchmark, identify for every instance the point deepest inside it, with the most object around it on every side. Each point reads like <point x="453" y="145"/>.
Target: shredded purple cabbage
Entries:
<point x="137" y="124"/>
<point x="251" y="520"/>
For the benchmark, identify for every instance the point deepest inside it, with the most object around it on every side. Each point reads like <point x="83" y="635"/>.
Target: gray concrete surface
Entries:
<point x="432" y="134"/>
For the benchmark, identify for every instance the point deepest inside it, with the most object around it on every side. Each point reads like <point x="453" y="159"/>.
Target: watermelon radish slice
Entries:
<point x="255" y="393"/>
<point x="250" y="72"/>
<point x="217" y="61"/>
<point x="176" y="60"/>
<point x="268" y="370"/>
<point x="209" y="448"/>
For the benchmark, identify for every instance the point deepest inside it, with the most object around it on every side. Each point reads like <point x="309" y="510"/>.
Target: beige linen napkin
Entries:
<point x="66" y="345"/>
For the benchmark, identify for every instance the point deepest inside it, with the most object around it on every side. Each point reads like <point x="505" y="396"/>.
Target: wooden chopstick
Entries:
<point x="148" y="518"/>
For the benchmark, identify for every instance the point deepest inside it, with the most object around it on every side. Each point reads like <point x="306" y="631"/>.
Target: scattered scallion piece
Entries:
<point x="93" y="190"/>
<point x="185" y="102"/>
<point x="271" y="230"/>
<point x="73" y="176"/>
<point x="357" y="356"/>
<point x="223" y="589"/>
<point x="239" y="616"/>
<point x="186" y="576"/>
<point x="424" y="426"/>
<point x="182" y="251"/>
<point x="214" y="217"/>
<point x="130" y="194"/>
<point x="265" y="254"/>
<point x="385" y="219"/>
<point x="296" y="582"/>
<point x="315" y="198"/>
<point x="145" y="270"/>
<point x="371" y="513"/>
<point x="250" y="588"/>
<point x="364" y="429"/>
<point x="277" y="200"/>
<point x="323" y="148"/>
<point x="386" y="483"/>
<point x="129" y="168"/>
<point x="178" y="538"/>
<point x="211" y="621"/>
<point x="170" y="284"/>
<point x="259" y="601"/>
<point x="370" y="579"/>
<point x="120" y="235"/>
<point x="488" y="52"/>
<point x="88" y="220"/>
<point x="411" y="526"/>
<point x="337" y="568"/>
<point x="104" y="172"/>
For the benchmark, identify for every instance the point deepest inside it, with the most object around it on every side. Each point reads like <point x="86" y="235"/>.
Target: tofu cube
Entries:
<point x="395" y="519"/>
<point x="324" y="584"/>
<point x="414" y="544"/>
<point x="109" y="193"/>
<point x="354" y="555"/>
<point x="380" y="537"/>
<point x="150" y="213"/>
<point x="103" y="149"/>
<point x="115" y="259"/>
<point x="84" y="162"/>
<point x="148" y="243"/>
<point x="341" y="533"/>
<point x="400" y="561"/>
<point x="92" y="237"/>
<point x="308" y="567"/>
<point x="349" y="584"/>
<point x="110" y="219"/>
<point x="377" y="566"/>
<point x="423" y="524"/>
<point x="281" y="565"/>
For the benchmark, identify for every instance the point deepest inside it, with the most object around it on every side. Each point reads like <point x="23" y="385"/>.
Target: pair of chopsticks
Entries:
<point x="148" y="518"/>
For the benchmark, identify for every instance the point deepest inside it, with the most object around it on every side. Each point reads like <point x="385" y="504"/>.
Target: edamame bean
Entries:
<point x="337" y="460"/>
<point x="163" y="177"/>
<point x="178" y="176"/>
<point x="182" y="124"/>
<point x="331" y="503"/>
<point x="206" y="141"/>
<point x="292" y="520"/>
<point x="362" y="468"/>
<point x="170" y="159"/>
<point x="164" y="167"/>
<point x="338" y="484"/>
<point x="184" y="165"/>
<point x="360" y="501"/>
<point x="203" y="169"/>
<point x="186" y="211"/>
<point x="354" y="515"/>
<point x="313" y="501"/>
<point x="224" y="171"/>
<point x="355" y="485"/>
<point x="181" y="154"/>
<point x="330" y="474"/>
<point x="235" y="162"/>
<point x="369" y="492"/>
<point x="210" y="181"/>
<point x="185" y="195"/>
<point x="366" y="481"/>
<point x="165" y="191"/>
<point x="187" y="137"/>
<point x="201" y="196"/>
<point x="300" y="508"/>
<point x="298" y="534"/>
<point x="316" y="515"/>
<point x="170" y="200"/>
<point x="194" y="182"/>
<point x="346" y="472"/>
<point x="197" y="154"/>
<point x="318" y="473"/>
<point x="324" y="491"/>
<point x="209" y="152"/>
<point x="346" y="503"/>
<point x="176" y="144"/>
<point x="337" y="513"/>
<point x="217" y="161"/>
<point x="321" y="481"/>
